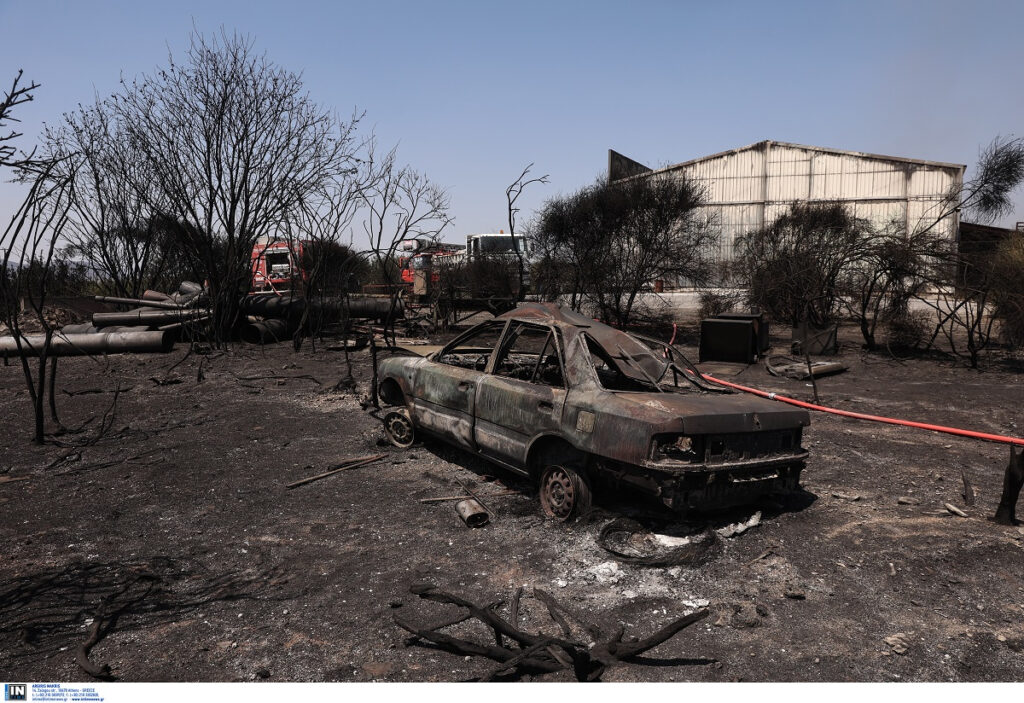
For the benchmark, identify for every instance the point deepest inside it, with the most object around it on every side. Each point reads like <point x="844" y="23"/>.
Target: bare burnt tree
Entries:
<point x="401" y="203"/>
<point x="1008" y="289"/>
<point x="987" y="196"/>
<point x="559" y="238"/>
<point x="966" y="310"/>
<point x="317" y="229"/>
<point x="794" y="267"/>
<point x="17" y="94"/>
<point x="613" y="240"/>
<point x="512" y="194"/>
<point x="891" y="269"/>
<point x="231" y="145"/>
<point x="27" y="247"/>
<point x="114" y="225"/>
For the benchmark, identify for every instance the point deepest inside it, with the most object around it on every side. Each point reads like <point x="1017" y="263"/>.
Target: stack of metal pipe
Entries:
<point x="151" y="327"/>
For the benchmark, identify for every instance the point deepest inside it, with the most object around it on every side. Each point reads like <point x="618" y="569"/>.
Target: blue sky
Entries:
<point x="474" y="91"/>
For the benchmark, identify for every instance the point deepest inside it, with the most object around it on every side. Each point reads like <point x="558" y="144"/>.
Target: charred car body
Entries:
<point x="569" y="401"/>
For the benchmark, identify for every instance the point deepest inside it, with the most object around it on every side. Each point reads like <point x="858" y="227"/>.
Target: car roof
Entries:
<point x="549" y="312"/>
<point x="626" y="351"/>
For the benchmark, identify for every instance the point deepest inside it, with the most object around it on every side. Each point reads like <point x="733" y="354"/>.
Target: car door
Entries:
<point x="445" y="390"/>
<point x="524" y="394"/>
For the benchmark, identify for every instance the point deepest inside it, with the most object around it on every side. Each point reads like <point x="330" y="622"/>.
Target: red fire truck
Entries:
<point x="277" y="266"/>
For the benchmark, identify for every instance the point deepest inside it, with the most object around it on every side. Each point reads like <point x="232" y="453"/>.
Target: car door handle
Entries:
<point x="545" y="405"/>
<point x="465" y="386"/>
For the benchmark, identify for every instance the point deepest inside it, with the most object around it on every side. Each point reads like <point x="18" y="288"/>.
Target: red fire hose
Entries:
<point x="874" y="418"/>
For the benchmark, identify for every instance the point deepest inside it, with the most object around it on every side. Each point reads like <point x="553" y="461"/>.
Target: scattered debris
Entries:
<point x="798" y="368"/>
<point x="605" y="572"/>
<point x="474" y="496"/>
<point x="842" y="496"/>
<point x="10" y="479"/>
<point x="739" y="528"/>
<point x="759" y="557"/>
<point x="630" y="542"/>
<point x="794" y="593"/>
<point x="953" y="509"/>
<point x="587" y="656"/>
<point x="169" y="381"/>
<point x="344" y="466"/>
<point x="472" y="513"/>
<point x="907" y="500"/>
<point x="898" y="643"/>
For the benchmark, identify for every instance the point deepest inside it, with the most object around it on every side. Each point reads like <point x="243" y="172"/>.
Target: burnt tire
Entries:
<point x="564" y="492"/>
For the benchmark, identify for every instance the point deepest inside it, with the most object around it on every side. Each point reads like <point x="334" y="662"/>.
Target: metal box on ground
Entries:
<point x="760" y="326"/>
<point x="815" y="340"/>
<point x="728" y="340"/>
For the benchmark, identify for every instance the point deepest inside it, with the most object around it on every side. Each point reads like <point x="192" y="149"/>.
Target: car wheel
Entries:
<point x="399" y="428"/>
<point x="564" y="493"/>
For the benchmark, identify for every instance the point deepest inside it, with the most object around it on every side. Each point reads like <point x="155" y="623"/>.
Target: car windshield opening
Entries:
<point x="615" y="374"/>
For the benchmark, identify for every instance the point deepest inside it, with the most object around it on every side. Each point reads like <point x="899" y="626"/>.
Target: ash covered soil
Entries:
<point x="175" y="530"/>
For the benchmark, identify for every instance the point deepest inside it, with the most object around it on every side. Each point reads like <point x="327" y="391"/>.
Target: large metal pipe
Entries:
<point x="86" y="344"/>
<point x="270" y="305"/>
<point x="364" y="307"/>
<point x="83" y="328"/>
<point x="372" y="307"/>
<point x="145" y="318"/>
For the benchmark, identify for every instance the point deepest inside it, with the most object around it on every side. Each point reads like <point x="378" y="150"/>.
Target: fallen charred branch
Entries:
<point x="302" y="377"/>
<point x="587" y="657"/>
<point x="443" y="499"/>
<point x="88" y="344"/>
<point x="93" y="391"/>
<point x="343" y="466"/>
<point x="96" y="633"/>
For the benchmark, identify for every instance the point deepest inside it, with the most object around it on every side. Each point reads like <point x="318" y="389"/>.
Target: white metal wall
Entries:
<point x="751" y="186"/>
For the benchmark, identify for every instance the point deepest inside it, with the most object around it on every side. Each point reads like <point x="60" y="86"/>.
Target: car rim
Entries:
<point x="399" y="429"/>
<point x="558" y="493"/>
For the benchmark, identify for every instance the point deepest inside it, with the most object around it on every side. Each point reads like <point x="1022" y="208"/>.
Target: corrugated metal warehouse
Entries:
<point x="752" y="185"/>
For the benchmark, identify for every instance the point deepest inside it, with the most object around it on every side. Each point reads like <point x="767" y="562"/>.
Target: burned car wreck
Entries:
<point x="573" y="403"/>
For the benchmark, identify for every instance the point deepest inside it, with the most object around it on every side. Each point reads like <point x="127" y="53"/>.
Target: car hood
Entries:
<point x="720" y="414"/>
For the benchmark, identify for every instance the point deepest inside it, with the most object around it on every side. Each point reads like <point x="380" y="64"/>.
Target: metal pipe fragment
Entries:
<point x="87" y="344"/>
<point x="146" y="318"/>
<point x="266" y="332"/>
<point x="472" y="513"/>
<point x="149" y="303"/>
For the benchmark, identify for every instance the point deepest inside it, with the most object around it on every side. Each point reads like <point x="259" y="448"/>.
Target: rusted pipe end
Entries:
<point x="472" y="513"/>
